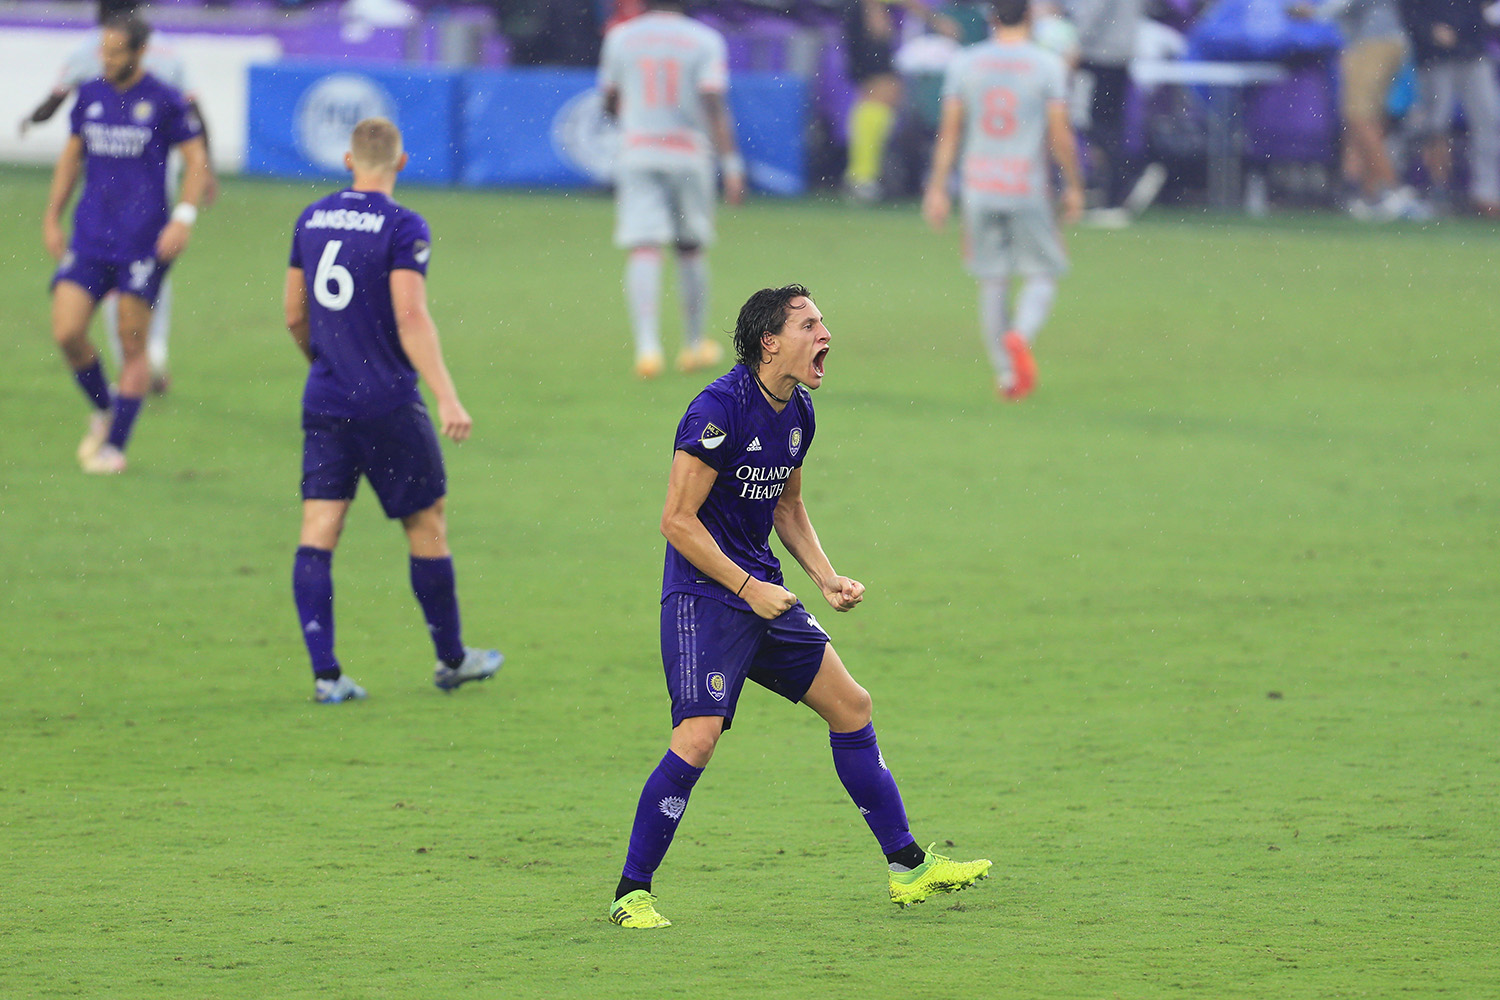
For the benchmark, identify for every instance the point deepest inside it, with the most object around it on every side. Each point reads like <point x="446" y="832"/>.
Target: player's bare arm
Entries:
<point x="732" y="164"/>
<point x="195" y="178"/>
<point x="44" y="111"/>
<point x="64" y="180"/>
<point x="688" y="485"/>
<point x="794" y="528"/>
<point x="419" y="339"/>
<point x="211" y="188"/>
<point x="294" y="302"/>
<point x="936" y="202"/>
<point x="1064" y="148"/>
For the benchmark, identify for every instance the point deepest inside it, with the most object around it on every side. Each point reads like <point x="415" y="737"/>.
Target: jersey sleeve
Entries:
<point x="953" y="77"/>
<point x="411" y="244"/>
<point x="295" y="258"/>
<point x="181" y="122"/>
<point x="609" y="63"/>
<point x="704" y="431"/>
<point x="1055" y="73"/>
<point x="715" y="79"/>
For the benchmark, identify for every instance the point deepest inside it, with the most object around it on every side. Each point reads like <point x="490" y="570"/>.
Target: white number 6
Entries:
<point x="333" y="285"/>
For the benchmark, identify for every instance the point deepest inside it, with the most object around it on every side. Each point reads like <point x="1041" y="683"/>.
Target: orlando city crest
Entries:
<point x="142" y="111"/>
<point x="716" y="685"/>
<point x="795" y="441"/>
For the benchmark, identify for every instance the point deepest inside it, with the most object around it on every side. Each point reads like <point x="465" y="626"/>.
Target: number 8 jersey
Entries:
<point x="1005" y="90"/>
<point x="346" y="246"/>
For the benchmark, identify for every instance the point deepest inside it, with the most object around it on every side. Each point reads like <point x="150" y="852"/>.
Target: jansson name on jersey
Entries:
<point x="345" y="218"/>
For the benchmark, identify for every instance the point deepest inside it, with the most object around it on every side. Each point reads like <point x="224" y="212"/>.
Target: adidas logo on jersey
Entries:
<point x="754" y="445"/>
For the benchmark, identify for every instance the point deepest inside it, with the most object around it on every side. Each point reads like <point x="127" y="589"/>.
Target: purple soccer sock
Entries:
<point x="126" y="410"/>
<point x="433" y="583"/>
<point x="94" y="385"/>
<point x="312" y="587"/>
<point x="857" y="759"/>
<point x="663" y="801"/>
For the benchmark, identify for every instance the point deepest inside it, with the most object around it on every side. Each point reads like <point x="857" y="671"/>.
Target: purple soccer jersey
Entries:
<point x="126" y="138"/>
<point x="347" y="245"/>
<point x="732" y="428"/>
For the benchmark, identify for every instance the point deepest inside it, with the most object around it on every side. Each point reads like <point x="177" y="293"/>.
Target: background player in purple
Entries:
<point x="727" y="615"/>
<point x="367" y="333"/>
<point x="124" y="239"/>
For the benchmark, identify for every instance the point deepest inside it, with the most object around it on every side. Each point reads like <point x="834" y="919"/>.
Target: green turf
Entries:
<point x="1198" y="643"/>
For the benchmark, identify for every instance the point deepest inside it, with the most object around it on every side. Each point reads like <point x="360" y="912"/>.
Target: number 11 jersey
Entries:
<point x="346" y="246"/>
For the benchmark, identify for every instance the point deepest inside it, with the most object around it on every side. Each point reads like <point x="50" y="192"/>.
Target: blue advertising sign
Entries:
<point x="546" y="128"/>
<point x="301" y="115"/>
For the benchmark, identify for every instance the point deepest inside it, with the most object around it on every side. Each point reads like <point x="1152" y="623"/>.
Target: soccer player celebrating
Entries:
<point x="124" y="238"/>
<point x="664" y="76"/>
<point x="366" y="330"/>
<point x="727" y="615"/>
<point x="1006" y="99"/>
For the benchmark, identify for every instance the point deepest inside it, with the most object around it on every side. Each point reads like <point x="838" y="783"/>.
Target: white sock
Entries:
<point x="692" y="281"/>
<point x="1034" y="304"/>
<point x="994" y="323"/>
<point x="108" y="312"/>
<point x="161" y="319"/>
<point x="643" y="297"/>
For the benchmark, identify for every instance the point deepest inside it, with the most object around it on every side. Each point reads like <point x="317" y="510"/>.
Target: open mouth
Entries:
<point x="818" y="360"/>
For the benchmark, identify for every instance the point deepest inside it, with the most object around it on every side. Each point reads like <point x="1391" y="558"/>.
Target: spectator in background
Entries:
<point x="549" y="32"/>
<point x="1106" y="39"/>
<point x="1447" y="40"/>
<point x="870" y="37"/>
<point x="1374" y="49"/>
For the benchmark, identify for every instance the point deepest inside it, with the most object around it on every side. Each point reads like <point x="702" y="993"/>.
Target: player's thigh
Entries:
<point x="694" y="201"/>
<point x="330" y="459"/>
<point x="322" y="523"/>
<point x="706" y="651"/>
<point x="837" y="697"/>
<point x="987" y="244"/>
<point x="402" y="459"/>
<point x="133" y="317"/>
<point x="72" y="308"/>
<point x="427" y="532"/>
<point x="791" y="654"/>
<point x="643" y="209"/>
<point x="1036" y="244"/>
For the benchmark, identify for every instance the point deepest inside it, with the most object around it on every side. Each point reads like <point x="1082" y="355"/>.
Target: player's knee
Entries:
<point x="860" y="707"/>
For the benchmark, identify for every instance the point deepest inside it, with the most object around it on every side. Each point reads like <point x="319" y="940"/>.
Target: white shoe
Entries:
<point x="1146" y="188"/>
<point x="107" y="460"/>
<point x="1106" y="218"/>
<point x="326" y="692"/>
<point x="478" y="665"/>
<point x="95" y="437"/>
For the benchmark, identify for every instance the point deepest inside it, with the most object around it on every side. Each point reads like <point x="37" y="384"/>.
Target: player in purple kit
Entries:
<point x="124" y="238"/>
<point x="367" y="333"/>
<point x="728" y="616"/>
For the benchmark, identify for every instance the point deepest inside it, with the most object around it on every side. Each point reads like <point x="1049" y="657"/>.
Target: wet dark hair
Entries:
<point x="136" y="31"/>
<point x="764" y="312"/>
<point x="114" y="8"/>
<point x="1010" y="13"/>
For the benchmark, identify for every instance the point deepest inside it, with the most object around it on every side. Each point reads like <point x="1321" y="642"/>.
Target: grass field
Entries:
<point x="1199" y="644"/>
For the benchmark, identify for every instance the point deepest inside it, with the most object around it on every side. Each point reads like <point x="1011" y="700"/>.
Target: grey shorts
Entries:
<point x="1001" y="243"/>
<point x="662" y="207"/>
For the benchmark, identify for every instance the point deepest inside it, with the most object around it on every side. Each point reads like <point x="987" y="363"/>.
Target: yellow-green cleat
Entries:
<point x="936" y="874"/>
<point x="637" y="910"/>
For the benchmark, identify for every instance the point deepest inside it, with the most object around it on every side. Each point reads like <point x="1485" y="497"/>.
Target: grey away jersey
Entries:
<point x="1006" y="90"/>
